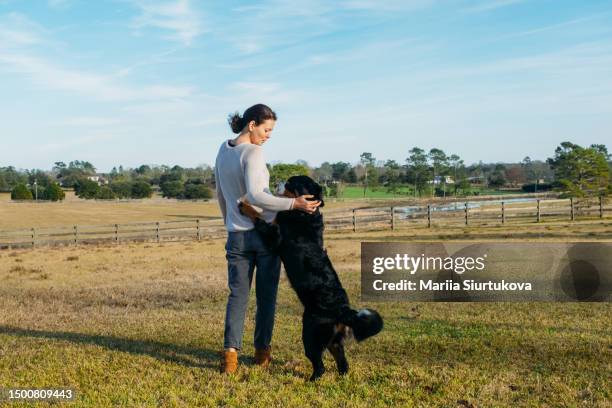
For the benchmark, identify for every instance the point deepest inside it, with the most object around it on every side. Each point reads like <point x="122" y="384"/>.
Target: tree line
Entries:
<point x="574" y="170"/>
<point x="119" y="183"/>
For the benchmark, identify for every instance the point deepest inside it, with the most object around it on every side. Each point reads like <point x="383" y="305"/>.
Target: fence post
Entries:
<point x="157" y="230"/>
<point x="572" y="208"/>
<point x="76" y="235"/>
<point x="33" y="237"/>
<point x="503" y="213"/>
<point x="428" y="215"/>
<point x="198" y="236"/>
<point x="354" y="220"/>
<point x="600" y="206"/>
<point x="466" y="213"/>
<point x="538" y="214"/>
<point x="116" y="233"/>
<point x="392" y="218"/>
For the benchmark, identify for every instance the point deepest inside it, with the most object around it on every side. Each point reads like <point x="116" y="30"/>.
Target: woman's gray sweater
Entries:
<point x="240" y="171"/>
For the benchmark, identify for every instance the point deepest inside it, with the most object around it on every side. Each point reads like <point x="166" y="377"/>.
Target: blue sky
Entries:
<point x="133" y="81"/>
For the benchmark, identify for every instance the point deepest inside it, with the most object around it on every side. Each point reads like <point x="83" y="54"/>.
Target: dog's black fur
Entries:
<point x="298" y="238"/>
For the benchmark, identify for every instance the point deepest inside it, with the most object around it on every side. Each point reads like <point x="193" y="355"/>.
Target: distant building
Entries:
<point x="440" y="180"/>
<point x="98" y="178"/>
<point x="476" y="180"/>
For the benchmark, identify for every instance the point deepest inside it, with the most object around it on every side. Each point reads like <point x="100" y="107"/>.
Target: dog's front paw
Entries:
<point x="247" y="210"/>
<point x="343" y="367"/>
<point x="316" y="375"/>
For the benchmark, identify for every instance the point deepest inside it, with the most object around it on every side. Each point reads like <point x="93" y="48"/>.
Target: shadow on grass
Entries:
<point x="186" y="356"/>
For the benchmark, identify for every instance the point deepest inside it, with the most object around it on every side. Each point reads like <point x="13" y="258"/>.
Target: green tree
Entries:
<point x="324" y="173"/>
<point x="351" y="176"/>
<point x="439" y="166"/>
<point x="172" y="181"/>
<point x="172" y="189"/>
<point x="457" y="167"/>
<point x="121" y="189"/>
<point x="41" y="178"/>
<point x="418" y="169"/>
<point x="54" y="192"/>
<point x="141" y="189"/>
<point x="196" y="191"/>
<point x="367" y="161"/>
<point x="105" y="193"/>
<point x="281" y="172"/>
<point x="21" y="192"/>
<point x="85" y="188"/>
<point x="391" y="177"/>
<point x="498" y="177"/>
<point x="535" y="170"/>
<point x="336" y="189"/>
<point x="75" y="171"/>
<point x="340" y="171"/>
<point x="12" y="177"/>
<point x="581" y="171"/>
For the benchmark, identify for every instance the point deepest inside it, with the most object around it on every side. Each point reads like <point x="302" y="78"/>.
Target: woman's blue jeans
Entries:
<point x="245" y="252"/>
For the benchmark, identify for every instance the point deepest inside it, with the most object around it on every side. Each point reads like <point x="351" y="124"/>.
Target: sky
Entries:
<point x="131" y="82"/>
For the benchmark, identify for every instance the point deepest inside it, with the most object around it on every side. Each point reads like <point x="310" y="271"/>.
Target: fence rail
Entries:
<point x="479" y="213"/>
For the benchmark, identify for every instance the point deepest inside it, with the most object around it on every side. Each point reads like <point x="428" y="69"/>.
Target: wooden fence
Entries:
<point x="479" y="213"/>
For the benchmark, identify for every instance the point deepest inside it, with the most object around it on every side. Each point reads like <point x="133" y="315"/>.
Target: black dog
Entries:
<point x="328" y="318"/>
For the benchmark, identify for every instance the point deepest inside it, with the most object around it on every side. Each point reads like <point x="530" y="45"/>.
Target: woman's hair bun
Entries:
<point x="235" y="122"/>
<point x="257" y="113"/>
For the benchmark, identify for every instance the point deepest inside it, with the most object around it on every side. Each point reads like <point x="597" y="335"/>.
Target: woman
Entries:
<point x="240" y="171"/>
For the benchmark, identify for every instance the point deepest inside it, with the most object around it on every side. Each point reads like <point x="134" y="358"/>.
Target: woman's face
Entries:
<point x="261" y="133"/>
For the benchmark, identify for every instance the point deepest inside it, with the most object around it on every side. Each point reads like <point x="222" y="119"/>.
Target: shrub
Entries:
<point x="194" y="191"/>
<point x="105" y="193"/>
<point x="85" y="188"/>
<point x="121" y="189"/>
<point x="21" y="192"/>
<point x="172" y="189"/>
<point x="54" y="192"/>
<point x="531" y="188"/>
<point x="141" y="189"/>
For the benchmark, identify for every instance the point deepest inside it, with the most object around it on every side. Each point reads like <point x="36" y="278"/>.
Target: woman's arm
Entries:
<point x="256" y="180"/>
<point x="220" y="197"/>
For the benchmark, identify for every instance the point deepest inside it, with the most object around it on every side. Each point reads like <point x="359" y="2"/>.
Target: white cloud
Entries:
<point x="57" y="3"/>
<point x="552" y="27"/>
<point x="492" y="5"/>
<point x="255" y="87"/>
<point x="50" y="76"/>
<point x="87" y="121"/>
<point x="283" y="22"/>
<point x="16" y="31"/>
<point x="177" y="17"/>
<point x="386" y="5"/>
<point x="69" y="144"/>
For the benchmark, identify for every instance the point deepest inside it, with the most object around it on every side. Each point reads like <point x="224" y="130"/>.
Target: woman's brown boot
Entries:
<point x="263" y="357"/>
<point x="230" y="362"/>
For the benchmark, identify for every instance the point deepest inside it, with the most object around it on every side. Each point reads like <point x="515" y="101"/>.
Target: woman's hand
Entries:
<point x="301" y="203"/>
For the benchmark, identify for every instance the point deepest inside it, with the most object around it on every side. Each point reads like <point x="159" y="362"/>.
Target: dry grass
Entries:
<point x="73" y="210"/>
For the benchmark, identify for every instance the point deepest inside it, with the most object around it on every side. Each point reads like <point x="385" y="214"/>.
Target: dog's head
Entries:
<point x="301" y="185"/>
<point x="367" y="323"/>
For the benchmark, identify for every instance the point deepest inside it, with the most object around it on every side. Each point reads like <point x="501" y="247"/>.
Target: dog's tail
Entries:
<point x="364" y="322"/>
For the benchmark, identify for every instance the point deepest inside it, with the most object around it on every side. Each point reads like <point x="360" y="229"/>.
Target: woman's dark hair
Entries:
<point x="259" y="113"/>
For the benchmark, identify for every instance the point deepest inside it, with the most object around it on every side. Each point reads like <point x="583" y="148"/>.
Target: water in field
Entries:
<point x="407" y="212"/>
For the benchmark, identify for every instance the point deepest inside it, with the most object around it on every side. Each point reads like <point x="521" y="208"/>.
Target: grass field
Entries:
<point x="142" y="325"/>
<point x="351" y="192"/>
<point x="73" y="210"/>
